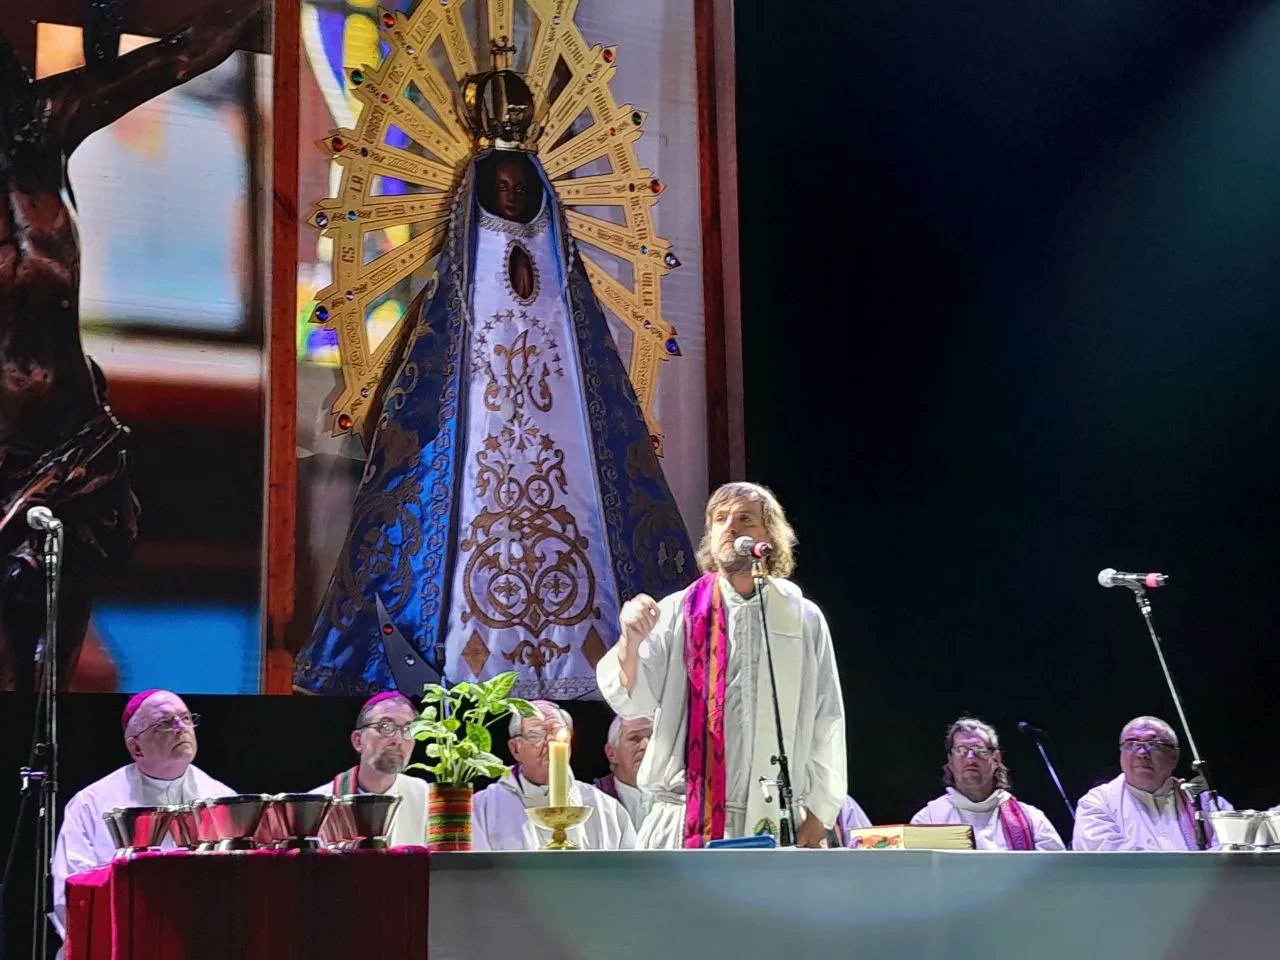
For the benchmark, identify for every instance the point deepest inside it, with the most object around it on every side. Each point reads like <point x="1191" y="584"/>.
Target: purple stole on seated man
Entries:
<point x="606" y="784"/>
<point x="1018" y="832"/>
<point x="706" y="660"/>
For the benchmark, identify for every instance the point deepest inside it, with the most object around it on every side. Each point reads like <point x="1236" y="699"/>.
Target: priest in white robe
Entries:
<point x="1144" y="808"/>
<point x="498" y="818"/>
<point x="160" y="735"/>
<point x="384" y="744"/>
<point x="695" y="662"/>
<point x="977" y="794"/>
<point x="624" y="749"/>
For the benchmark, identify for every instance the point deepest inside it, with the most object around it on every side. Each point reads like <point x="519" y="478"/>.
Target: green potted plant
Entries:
<point x="454" y="726"/>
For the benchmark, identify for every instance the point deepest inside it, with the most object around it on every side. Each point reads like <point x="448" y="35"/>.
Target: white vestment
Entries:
<point x="83" y="840"/>
<point x="533" y="581"/>
<point x="409" y="828"/>
<point x="499" y="821"/>
<point x="983" y="815"/>
<point x="1117" y="816"/>
<point x="808" y="693"/>
<point x="634" y="800"/>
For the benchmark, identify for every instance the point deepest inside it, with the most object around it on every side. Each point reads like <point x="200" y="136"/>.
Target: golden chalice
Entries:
<point x="558" y="820"/>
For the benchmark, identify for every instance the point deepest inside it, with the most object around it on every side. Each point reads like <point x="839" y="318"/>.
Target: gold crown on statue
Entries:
<point x="499" y="110"/>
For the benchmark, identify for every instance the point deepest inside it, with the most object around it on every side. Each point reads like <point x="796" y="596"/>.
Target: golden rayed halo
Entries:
<point x="407" y="91"/>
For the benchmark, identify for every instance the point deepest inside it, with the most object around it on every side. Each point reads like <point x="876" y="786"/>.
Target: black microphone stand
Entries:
<point x="40" y="776"/>
<point x="786" y="829"/>
<point x="1201" y="784"/>
<point x="1038" y="737"/>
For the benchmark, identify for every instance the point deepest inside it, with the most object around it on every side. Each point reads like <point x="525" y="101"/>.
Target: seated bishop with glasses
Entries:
<point x="977" y="793"/>
<point x="383" y="741"/>
<point x="160" y="735"/>
<point x="1145" y="808"/>
<point x="498" y="818"/>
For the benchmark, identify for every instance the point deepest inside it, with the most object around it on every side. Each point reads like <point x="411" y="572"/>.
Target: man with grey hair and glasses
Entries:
<point x="1144" y="808"/>
<point x="160" y="735"/>
<point x="498" y="818"/>
<point x="695" y="662"/>
<point x="977" y="794"/>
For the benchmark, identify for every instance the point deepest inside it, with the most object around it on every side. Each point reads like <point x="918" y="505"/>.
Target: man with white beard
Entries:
<point x="498" y="818"/>
<point x="1144" y="808"/>
<point x="628" y="739"/>
<point x="695" y="662"/>
<point x="384" y="744"/>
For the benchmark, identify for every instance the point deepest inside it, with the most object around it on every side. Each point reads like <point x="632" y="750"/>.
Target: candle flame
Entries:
<point x="562" y="735"/>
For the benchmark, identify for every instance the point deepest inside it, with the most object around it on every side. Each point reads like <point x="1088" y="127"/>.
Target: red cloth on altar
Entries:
<point x="259" y="905"/>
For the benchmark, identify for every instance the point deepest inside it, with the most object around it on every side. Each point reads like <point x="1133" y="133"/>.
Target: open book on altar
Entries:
<point x="902" y="836"/>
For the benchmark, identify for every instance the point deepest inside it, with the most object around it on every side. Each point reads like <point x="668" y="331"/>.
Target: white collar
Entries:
<point x="1160" y="793"/>
<point x="961" y="802"/>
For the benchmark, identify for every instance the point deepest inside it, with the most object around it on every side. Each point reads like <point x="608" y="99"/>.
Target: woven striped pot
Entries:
<point x="448" y="817"/>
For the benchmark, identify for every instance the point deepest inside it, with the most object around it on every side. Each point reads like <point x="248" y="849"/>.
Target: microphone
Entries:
<point x="1134" y="581"/>
<point x="42" y="518"/>
<point x="1034" y="733"/>
<point x="747" y="547"/>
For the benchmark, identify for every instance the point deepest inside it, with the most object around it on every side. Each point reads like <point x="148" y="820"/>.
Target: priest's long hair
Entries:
<point x="778" y="531"/>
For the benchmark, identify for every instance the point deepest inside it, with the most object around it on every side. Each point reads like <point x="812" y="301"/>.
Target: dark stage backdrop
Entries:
<point x="1012" y="315"/>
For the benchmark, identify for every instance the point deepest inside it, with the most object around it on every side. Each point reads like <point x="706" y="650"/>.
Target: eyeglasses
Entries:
<point x="1147" y="746"/>
<point x="389" y="728"/>
<point x="961" y="750"/>
<point x="173" y="724"/>
<point x="539" y="736"/>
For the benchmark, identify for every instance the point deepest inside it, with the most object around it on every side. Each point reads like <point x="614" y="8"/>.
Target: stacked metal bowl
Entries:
<point x="360" y="821"/>
<point x="1246" y="829"/>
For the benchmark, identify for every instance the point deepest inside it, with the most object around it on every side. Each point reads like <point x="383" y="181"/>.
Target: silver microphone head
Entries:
<point x="742" y="546"/>
<point x="1106" y="577"/>
<point x="42" y="518"/>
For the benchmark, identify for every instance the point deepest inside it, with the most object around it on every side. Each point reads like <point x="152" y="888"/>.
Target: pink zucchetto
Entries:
<point x="135" y="704"/>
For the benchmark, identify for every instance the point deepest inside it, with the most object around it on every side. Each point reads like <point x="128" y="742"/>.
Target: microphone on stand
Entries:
<point x="42" y="519"/>
<point x="1138" y="582"/>
<point x="1134" y="581"/>
<point x="748" y="547"/>
<point x="1039" y="736"/>
<point x="1035" y="733"/>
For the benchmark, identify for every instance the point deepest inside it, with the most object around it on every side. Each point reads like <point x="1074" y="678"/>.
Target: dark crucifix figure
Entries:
<point x="60" y="445"/>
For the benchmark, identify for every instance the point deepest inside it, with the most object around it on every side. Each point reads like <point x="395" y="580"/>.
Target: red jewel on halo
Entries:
<point x="344" y="422"/>
<point x="388" y="629"/>
<point x="388" y="19"/>
<point x="337" y="144"/>
<point x="607" y="56"/>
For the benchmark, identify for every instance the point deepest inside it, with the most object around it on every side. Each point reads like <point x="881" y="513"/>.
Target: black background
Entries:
<point x="1011" y="315"/>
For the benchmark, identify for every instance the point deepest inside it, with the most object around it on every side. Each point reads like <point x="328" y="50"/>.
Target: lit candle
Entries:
<point x="558" y="770"/>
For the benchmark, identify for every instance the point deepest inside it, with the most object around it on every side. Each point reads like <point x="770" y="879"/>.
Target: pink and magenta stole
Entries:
<point x="706" y="660"/>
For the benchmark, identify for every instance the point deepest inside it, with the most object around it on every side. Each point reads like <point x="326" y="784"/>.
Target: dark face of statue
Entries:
<point x="513" y="192"/>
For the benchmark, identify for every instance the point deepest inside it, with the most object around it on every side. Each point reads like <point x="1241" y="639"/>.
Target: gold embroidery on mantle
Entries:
<point x="524" y="559"/>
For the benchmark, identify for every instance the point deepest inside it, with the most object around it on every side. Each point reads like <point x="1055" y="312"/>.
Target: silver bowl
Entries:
<point x="338" y="831"/>
<point x="1269" y="829"/>
<point x="182" y="826"/>
<point x="117" y="839"/>
<point x="140" y="828"/>
<point x="372" y="814"/>
<point x="232" y="822"/>
<point x="1235" y="829"/>
<point x="298" y="818"/>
